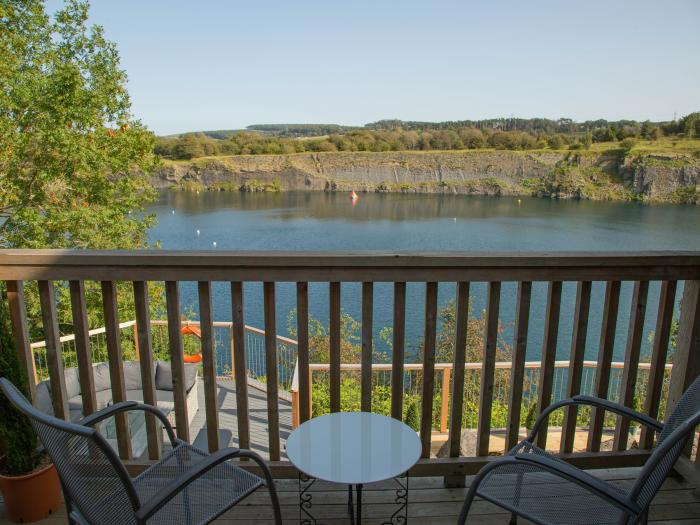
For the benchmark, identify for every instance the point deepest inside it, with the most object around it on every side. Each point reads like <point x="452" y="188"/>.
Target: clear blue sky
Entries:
<point x="209" y="64"/>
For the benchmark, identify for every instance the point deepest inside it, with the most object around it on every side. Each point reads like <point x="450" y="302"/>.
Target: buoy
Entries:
<point x="454" y="219"/>
<point x="214" y="244"/>
<point x="353" y="196"/>
<point x="197" y="232"/>
<point x="519" y="201"/>
<point x="173" y="212"/>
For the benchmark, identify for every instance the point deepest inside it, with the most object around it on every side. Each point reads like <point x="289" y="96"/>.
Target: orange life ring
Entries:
<point x="187" y="329"/>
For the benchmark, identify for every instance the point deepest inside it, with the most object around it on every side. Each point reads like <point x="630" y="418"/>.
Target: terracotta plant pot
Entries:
<point x="31" y="497"/>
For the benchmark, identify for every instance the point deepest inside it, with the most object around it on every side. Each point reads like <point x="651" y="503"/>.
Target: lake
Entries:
<point x="421" y="222"/>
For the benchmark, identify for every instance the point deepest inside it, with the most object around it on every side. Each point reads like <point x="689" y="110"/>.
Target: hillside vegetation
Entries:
<point x="395" y="135"/>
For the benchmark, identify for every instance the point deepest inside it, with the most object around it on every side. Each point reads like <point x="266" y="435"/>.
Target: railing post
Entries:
<point x="136" y="342"/>
<point x="686" y="358"/>
<point x="18" y="317"/>
<point x="445" y="399"/>
<point x="233" y="349"/>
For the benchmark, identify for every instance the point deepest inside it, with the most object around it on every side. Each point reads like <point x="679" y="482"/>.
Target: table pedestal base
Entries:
<point x="400" y="516"/>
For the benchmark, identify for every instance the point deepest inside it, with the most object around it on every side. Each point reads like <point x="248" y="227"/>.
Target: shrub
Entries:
<point x="411" y="418"/>
<point x="17" y="435"/>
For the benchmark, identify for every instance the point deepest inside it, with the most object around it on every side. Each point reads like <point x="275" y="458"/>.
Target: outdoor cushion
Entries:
<point x="163" y="398"/>
<point x="103" y="398"/>
<point x="43" y="398"/>
<point x="132" y="375"/>
<point x="72" y="382"/>
<point x="100" y="372"/>
<point x="164" y="376"/>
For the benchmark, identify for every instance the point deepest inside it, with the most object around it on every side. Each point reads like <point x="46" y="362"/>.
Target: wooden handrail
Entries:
<point x="159" y="265"/>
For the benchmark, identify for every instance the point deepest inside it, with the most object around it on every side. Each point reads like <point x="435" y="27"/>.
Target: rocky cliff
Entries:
<point x="607" y="175"/>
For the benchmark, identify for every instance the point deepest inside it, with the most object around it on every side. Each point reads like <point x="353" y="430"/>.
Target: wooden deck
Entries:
<point x="678" y="503"/>
<point x="257" y="408"/>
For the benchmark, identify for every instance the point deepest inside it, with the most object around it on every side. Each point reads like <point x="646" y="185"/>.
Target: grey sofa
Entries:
<point x="134" y="389"/>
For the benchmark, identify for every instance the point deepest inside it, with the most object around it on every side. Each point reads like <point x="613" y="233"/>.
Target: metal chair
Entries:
<point x="544" y="489"/>
<point x="186" y="486"/>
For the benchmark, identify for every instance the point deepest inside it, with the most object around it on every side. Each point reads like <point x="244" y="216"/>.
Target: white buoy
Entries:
<point x="197" y="232"/>
<point x="214" y="244"/>
<point x="173" y="212"/>
<point x="519" y="201"/>
<point x="454" y="219"/>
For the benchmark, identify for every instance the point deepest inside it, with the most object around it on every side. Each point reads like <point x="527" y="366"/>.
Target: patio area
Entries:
<point x="678" y="503"/>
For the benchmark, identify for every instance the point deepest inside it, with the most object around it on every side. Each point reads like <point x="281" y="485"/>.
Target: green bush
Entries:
<point x="17" y="436"/>
<point x="411" y="418"/>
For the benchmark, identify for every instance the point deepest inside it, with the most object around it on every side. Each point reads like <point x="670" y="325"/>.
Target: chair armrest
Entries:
<point x="126" y="406"/>
<point x="581" y="478"/>
<point x="596" y="402"/>
<point x="175" y="486"/>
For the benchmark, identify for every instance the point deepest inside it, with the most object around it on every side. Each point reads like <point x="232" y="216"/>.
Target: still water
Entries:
<point x="389" y="222"/>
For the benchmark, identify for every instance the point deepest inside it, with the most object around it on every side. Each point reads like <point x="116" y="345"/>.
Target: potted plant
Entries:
<point x="28" y="480"/>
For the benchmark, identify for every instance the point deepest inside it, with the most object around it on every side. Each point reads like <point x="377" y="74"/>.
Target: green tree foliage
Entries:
<point x="72" y="157"/>
<point x="68" y="143"/>
<point x="395" y="135"/>
<point x="412" y="419"/>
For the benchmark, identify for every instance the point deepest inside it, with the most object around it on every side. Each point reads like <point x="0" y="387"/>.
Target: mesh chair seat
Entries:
<point x="544" y="497"/>
<point x="205" y="498"/>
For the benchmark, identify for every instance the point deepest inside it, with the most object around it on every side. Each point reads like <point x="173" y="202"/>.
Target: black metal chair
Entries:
<point x="533" y="484"/>
<point x="186" y="486"/>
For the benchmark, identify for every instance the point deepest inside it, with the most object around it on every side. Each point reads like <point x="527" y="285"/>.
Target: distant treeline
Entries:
<point x="396" y="135"/>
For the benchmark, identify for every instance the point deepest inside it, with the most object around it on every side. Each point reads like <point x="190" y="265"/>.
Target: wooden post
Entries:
<point x="549" y="354"/>
<point x="445" y="399"/>
<point x="334" y="341"/>
<point x="177" y="359"/>
<point x="366" y="359"/>
<point x="605" y="351"/>
<point x="209" y="365"/>
<point x="154" y="433"/>
<point x="295" y="408"/>
<point x="578" y="348"/>
<point x="629" y="374"/>
<point x="426" y="418"/>
<point x="136" y="342"/>
<point x="686" y="359"/>
<point x="657" y="370"/>
<point x="18" y="317"/>
<point x="397" y="355"/>
<point x="54" y="357"/>
<point x="488" y="368"/>
<point x="116" y="366"/>
<point x="303" y="374"/>
<point x="233" y="350"/>
<point x="517" y="373"/>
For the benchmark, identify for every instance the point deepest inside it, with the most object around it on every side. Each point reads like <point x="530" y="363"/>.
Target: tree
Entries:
<point x="69" y="147"/>
<point x="72" y="157"/>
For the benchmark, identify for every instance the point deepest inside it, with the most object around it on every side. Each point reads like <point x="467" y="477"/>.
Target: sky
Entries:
<point x="217" y="64"/>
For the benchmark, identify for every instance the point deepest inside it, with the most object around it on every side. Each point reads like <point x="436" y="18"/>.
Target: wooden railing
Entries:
<point x="444" y="370"/>
<point x="139" y="267"/>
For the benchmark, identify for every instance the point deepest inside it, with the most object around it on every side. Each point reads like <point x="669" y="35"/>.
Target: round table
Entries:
<point x="353" y="448"/>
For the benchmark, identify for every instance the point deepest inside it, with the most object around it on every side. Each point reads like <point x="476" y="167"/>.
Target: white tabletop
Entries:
<point x="353" y="447"/>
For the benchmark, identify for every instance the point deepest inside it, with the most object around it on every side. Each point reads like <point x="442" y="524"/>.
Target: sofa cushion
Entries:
<point x="164" y="376"/>
<point x="132" y="375"/>
<point x="101" y="373"/>
<point x="43" y="398"/>
<point x="164" y="399"/>
<point x="103" y="399"/>
<point x="72" y="382"/>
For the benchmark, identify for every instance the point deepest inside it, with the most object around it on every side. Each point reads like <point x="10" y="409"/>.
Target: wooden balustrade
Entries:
<point x="51" y="268"/>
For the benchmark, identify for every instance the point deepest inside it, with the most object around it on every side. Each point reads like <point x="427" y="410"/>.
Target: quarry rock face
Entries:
<point x="565" y="174"/>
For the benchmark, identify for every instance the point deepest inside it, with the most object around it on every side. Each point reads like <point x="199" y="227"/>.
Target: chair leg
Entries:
<point x="513" y="519"/>
<point x="644" y="518"/>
